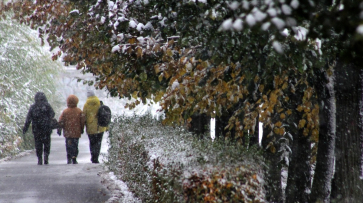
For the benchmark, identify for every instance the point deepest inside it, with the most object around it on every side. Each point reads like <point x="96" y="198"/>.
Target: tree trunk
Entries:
<point x="221" y="123"/>
<point x="347" y="185"/>
<point x="219" y="127"/>
<point x="253" y="89"/>
<point x="199" y="124"/>
<point x="299" y="167"/>
<point x="299" y="178"/>
<point x="273" y="172"/>
<point x="325" y="156"/>
<point x="254" y="138"/>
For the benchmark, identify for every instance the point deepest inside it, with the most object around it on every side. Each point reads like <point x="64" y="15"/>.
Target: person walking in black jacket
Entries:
<point x="40" y="115"/>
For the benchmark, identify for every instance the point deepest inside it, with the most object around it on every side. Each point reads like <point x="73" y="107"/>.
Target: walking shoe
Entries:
<point x="74" y="160"/>
<point x="40" y="162"/>
<point x="69" y="161"/>
<point x="46" y="156"/>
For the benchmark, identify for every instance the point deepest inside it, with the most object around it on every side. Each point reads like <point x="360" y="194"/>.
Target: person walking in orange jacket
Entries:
<point x="72" y="122"/>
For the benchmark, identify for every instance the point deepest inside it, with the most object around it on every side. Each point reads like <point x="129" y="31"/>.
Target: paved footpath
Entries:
<point x="23" y="181"/>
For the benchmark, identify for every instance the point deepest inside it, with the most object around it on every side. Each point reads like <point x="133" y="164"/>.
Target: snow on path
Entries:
<point x="22" y="180"/>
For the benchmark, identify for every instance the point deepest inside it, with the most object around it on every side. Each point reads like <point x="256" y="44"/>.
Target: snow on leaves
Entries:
<point x="141" y="49"/>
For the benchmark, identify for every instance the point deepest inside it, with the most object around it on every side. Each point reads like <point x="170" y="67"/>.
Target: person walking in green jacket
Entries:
<point x="94" y="132"/>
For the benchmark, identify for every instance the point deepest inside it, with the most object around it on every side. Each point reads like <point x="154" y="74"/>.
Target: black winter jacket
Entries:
<point x="40" y="115"/>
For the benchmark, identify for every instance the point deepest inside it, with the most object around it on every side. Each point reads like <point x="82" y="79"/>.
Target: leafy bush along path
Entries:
<point x="165" y="164"/>
<point x="22" y="180"/>
<point x="25" y="68"/>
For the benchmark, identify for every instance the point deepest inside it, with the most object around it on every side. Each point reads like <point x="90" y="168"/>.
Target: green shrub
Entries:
<point x="25" y="68"/>
<point x="168" y="164"/>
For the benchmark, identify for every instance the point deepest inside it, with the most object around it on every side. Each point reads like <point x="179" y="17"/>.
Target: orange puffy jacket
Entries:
<point x="72" y="119"/>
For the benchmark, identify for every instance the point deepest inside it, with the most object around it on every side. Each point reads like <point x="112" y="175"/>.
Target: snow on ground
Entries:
<point x="21" y="154"/>
<point x="118" y="189"/>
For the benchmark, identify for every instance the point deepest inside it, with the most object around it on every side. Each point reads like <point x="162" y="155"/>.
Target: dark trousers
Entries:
<point x="42" y="142"/>
<point x="72" y="147"/>
<point x="95" y="141"/>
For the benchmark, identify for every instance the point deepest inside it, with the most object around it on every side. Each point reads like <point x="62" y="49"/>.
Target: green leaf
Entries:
<point x="143" y="76"/>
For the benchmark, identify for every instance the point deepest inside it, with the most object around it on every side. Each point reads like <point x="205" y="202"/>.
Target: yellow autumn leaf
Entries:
<point x="160" y="77"/>
<point x="273" y="149"/>
<point x="182" y="71"/>
<point x="315" y="112"/>
<point x="315" y="132"/>
<point x="307" y="109"/>
<point x="302" y="123"/>
<point x="134" y="94"/>
<point x="229" y="185"/>
<point x="284" y="86"/>
<point x="199" y="67"/>
<point x="282" y="131"/>
<point x="277" y="81"/>
<point x="315" y="135"/>
<point x="158" y="96"/>
<point x="132" y="40"/>
<point x="273" y="98"/>
<point x="299" y="108"/>
<point x="306" y="132"/>
<point x="129" y="50"/>
<point x="182" y="59"/>
<point x="260" y="88"/>
<point x="276" y="131"/>
<point x="170" y="42"/>
<point x="157" y="69"/>
<point x="143" y="76"/>
<point x="278" y="124"/>
<point x="169" y="53"/>
<point x="256" y="79"/>
<point x="282" y="116"/>
<point x="139" y="52"/>
<point x="156" y="48"/>
<point x="166" y="75"/>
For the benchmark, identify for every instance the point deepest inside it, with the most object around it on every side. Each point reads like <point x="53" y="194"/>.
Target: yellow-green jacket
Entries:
<point x="90" y="109"/>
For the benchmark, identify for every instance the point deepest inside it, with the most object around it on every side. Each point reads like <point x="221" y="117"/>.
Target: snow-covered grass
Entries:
<point x="25" y="68"/>
<point x="168" y="164"/>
